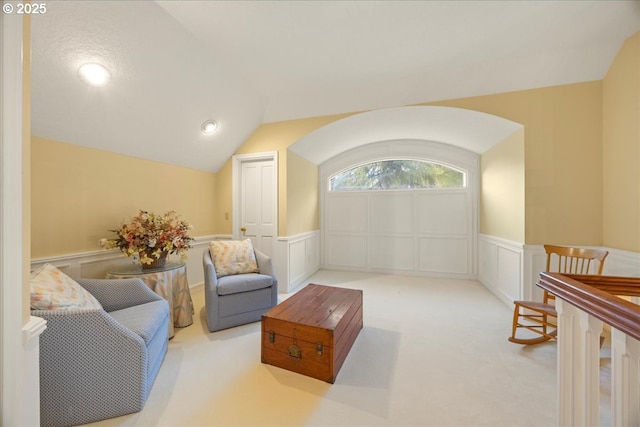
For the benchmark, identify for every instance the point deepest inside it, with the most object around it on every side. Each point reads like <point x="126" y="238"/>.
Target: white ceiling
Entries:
<point x="175" y="64"/>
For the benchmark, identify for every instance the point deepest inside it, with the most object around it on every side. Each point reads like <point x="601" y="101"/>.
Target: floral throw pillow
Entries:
<point x="233" y="257"/>
<point x="51" y="289"/>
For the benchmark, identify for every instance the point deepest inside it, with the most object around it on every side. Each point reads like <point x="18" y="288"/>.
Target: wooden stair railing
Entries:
<point x="584" y="304"/>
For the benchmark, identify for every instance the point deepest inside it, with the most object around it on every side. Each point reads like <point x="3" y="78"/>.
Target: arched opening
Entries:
<point x="454" y="137"/>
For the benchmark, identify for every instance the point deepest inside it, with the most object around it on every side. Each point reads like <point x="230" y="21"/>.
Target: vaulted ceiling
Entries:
<point x="175" y="64"/>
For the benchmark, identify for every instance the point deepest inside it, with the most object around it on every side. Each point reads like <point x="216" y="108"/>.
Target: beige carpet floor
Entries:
<point x="433" y="352"/>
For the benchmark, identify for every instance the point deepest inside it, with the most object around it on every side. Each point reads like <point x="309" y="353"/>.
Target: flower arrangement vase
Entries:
<point x="157" y="263"/>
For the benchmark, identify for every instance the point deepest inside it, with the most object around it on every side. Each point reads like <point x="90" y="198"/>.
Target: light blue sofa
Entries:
<point x="241" y="298"/>
<point x="101" y="363"/>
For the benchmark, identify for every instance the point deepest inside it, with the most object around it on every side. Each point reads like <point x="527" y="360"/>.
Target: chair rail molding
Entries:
<point x="96" y="264"/>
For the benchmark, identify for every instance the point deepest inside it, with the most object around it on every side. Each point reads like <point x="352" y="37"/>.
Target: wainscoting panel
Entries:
<point x="346" y="251"/>
<point x="296" y="258"/>
<point x="617" y="263"/>
<point x="392" y="253"/>
<point x="511" y="270"/>
<point x="444" y="213"/>
<point x="96" y="264"/>
<point x="348" y="213"/>
<point x="622" y="263"/>
<point x="392" y="213"/>
<point x="444" y="255"/>
<point x="404" y="232"/>
<point x="501" y="267"/>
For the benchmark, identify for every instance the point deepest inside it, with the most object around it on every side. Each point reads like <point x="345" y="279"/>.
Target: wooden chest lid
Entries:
<point x="317" y="305"/>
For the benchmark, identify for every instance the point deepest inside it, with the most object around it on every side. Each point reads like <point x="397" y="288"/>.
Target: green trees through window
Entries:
<point x="397" y="175"/>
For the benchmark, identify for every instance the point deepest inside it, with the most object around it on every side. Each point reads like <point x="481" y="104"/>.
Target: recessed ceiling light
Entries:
<point x="94" y="74"/>
<point x="209" y="127"/>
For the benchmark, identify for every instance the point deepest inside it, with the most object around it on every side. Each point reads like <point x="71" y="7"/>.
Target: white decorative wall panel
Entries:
<point x="444" y="255"/>
<point x="297" y="263"/>
<point x="622" y="263"/>
<point x="444" y="212"/>
<point x="347" y="251"/>
<point x="312" y="250"/>
<point x="422" y="232"/>
<point x="509" y="271"/>
<point x="392" y="213"/>
<point x="392" y="253"/>
<point x="348" y="213"/>
<point x="296" y="259"/>
<point x="487" y="262"/>
<point x="501" y="267"/>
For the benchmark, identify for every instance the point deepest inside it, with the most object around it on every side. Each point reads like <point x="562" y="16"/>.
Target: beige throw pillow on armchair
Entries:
<point x="233" y="257"/>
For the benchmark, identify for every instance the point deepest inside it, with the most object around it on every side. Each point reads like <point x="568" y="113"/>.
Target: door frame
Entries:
<point x="13" y="394"/>
<point x="236" y="173"/>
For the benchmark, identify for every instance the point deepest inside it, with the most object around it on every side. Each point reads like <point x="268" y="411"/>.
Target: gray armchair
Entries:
<point x="238" y="299"/>
<point x="101" y="363"/>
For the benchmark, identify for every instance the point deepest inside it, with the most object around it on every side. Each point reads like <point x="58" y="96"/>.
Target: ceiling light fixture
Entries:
<point x="94" y="74"/>
<point x="209" y="127"/>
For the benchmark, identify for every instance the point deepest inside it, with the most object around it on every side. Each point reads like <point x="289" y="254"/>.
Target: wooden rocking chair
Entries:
<point x="540" y="317"/>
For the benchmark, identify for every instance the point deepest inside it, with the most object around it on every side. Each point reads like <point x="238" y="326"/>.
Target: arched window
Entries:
<point x="397" y="174"/>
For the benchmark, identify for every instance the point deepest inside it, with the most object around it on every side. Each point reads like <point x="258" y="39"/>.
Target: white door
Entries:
<point x="255" y="210"/>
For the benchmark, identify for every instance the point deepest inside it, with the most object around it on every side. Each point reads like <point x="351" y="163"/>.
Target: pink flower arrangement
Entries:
<point x="150" y="236"/>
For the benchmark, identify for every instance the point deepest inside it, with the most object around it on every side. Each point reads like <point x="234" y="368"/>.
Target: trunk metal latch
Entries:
<point x="294" y="351"/>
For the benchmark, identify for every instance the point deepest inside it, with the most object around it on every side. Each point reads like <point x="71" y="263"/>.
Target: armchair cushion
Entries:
<point x="243" y="283"/>
<point x="233" y="257"/>
<point x="51" y="289"/>
<point x="142" y="319"/>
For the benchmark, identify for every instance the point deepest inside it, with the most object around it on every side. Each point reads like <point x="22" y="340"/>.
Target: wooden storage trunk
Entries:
<point x="312" y="331"/>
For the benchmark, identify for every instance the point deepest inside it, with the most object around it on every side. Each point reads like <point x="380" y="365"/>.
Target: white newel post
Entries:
<point x="625" y="393"/>
<point x="31" y="376"/>
<point x="578" y="366"/>
<point x="590" y="329"/>
<point x="566" y="401"/>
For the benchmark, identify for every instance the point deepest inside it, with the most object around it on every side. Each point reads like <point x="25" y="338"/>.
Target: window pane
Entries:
<point x="397" y="175"/>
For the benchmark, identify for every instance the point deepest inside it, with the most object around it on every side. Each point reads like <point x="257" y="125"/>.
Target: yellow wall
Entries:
<point x="302" y="195"/>
<point x="563" y="176"/>
<point x="621" y="149"/>
<point x="502" y="189"/>
<point x="563" y="158"/>
<point x="80" y="193"/>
